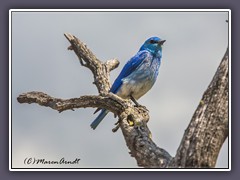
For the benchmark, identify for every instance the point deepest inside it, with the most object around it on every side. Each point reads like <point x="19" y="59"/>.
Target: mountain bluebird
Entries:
<point x="138" y="75"/>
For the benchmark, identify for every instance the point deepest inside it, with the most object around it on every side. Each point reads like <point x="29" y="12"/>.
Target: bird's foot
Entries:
<point x="144" y="108"/>
<point x="134" y="100"/>
<point x="137" y="104"/>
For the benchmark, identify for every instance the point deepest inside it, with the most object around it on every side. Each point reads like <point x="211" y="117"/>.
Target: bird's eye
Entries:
<point x="152" y="41"/>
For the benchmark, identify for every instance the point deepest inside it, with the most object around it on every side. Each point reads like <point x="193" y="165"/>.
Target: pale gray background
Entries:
<point x="196" y="42"/>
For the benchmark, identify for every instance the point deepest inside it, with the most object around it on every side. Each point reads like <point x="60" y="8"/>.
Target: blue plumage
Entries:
<point x="138" y="75"/>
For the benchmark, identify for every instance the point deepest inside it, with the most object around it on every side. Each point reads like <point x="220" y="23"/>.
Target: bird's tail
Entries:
<point x="98" y="119"/>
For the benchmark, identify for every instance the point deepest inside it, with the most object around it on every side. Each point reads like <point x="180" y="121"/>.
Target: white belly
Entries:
<point x="137" y="86"/>
<point x="141" y="80"/>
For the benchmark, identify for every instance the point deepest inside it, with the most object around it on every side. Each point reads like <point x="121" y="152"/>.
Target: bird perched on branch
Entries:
<point x="138" y="75"/>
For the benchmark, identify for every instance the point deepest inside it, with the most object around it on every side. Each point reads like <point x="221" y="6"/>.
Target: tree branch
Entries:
<point x="202" y="139"/>
<point x="88" y="59"/>
<point x="208" y="128"/>
<point x="110" y="101"/>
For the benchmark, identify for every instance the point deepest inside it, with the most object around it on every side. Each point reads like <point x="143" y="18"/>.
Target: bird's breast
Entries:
<point x="141" y="80"/>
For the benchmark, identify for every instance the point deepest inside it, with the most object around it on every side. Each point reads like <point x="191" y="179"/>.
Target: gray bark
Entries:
<point x="201" y="141"/>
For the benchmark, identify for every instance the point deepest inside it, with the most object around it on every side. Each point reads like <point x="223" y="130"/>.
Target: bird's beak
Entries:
<point x="161" y="42"/>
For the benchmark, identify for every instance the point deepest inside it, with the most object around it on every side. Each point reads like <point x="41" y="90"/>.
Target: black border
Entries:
<point x="170" y="4"/>
<point x="106" y="169"/>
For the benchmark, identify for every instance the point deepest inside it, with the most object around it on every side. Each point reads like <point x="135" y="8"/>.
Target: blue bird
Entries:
<point x="138" y="75"/>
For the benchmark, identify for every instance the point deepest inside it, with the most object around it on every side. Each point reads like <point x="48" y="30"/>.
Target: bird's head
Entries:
<point x="153" y="44"/>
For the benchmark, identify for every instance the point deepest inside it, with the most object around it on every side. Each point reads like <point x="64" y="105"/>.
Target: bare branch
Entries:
<point x="111" y="102"/>
<point x="88" y="59"/>
<point x="138" y="139"/>
<point x="111" y="64"/>
<point x="208" y="128"/>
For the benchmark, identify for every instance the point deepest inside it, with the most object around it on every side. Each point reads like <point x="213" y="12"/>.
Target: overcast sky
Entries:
<point x="195" y="44"/>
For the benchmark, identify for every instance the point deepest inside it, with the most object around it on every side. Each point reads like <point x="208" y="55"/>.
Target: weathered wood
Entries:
<point x="208" y="128"/>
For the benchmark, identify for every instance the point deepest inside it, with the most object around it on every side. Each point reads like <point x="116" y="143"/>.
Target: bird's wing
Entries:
<point x="129" y="67"/>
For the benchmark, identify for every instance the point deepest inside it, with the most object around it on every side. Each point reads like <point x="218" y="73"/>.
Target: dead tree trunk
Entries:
<point x="201" y="141"/>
